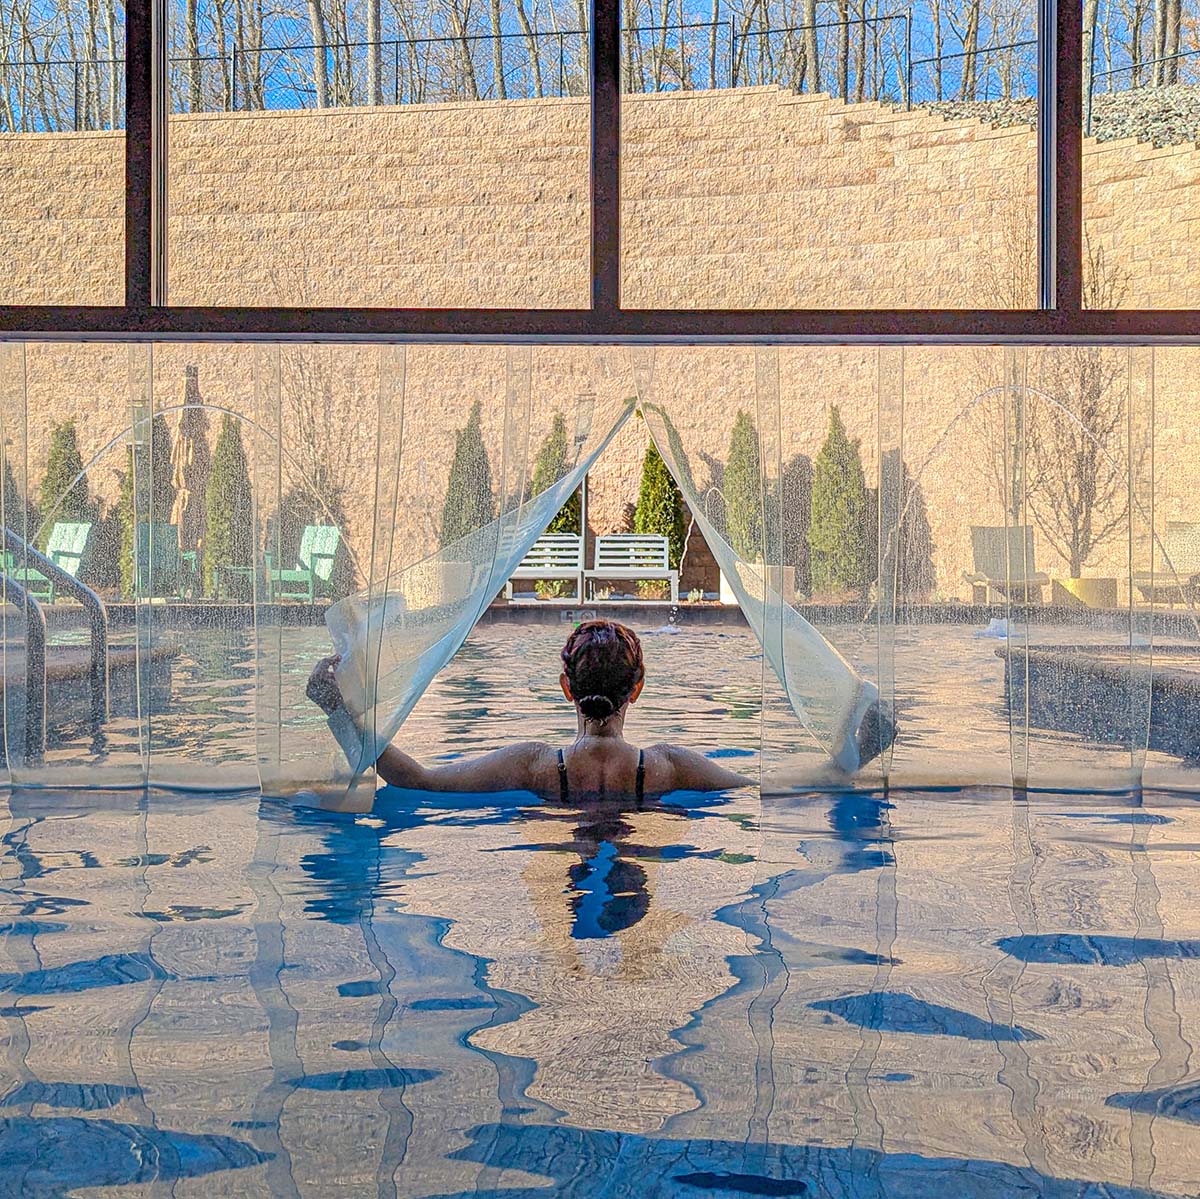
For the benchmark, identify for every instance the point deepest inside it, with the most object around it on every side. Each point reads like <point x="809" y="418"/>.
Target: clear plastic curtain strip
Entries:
<point x="469" y="483"/>
<point x="1004" y="544"/>
<point x="742" y="528"/>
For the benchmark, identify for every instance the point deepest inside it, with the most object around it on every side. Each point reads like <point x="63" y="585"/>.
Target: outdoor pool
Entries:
<point x="937" y="993"/>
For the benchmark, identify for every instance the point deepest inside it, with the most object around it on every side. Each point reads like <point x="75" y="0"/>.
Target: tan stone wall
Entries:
<point x="736" y="198"/>
<point x="747" y="197"/>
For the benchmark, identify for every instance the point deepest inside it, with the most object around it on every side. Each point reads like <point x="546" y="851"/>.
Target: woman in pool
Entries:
<point x="602" y="676"/>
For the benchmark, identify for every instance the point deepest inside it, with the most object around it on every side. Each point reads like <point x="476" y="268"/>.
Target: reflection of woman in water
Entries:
<point x="602" y="675"/>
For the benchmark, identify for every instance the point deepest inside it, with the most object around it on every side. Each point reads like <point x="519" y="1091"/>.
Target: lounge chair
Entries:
<point x="634" y="556"/>
<point x="552" y="556"/>
<point x="66" y="549"/>
<point x="313" y="572"/>
<point x="163" y="569"/>
<point x="1004" y="565"/>
<point x="1181" y="579"/>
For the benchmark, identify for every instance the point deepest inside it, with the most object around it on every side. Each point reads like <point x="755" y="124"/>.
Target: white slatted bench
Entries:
<point x="552" y="556"/>
<point x="634" y="556"/>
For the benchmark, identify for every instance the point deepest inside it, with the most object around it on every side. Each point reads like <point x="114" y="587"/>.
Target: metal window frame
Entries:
<point x="1061" y="317"/>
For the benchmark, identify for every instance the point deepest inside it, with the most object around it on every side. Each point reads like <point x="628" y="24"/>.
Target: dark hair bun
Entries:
<point x="597" y="707"/>
<point x="603" y="664"/>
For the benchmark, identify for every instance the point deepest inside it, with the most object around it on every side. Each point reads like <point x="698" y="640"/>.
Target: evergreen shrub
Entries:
<point x="743" y="490"/>
<point x="470" y="503"/>
<point x="839" y="537"/>
<point x="229" y="505"/>
<point x="660" y="505"/>
<point x="63" y="494"/>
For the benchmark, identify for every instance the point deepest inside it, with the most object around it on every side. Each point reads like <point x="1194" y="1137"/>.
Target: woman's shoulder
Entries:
<point x="675" y="768"/>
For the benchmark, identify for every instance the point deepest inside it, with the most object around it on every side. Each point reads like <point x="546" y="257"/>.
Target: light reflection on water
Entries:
<point x="843" y="995"/>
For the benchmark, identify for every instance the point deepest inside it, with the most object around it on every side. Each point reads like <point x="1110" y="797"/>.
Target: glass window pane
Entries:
<point x="62" y="153"/>
<point x="1141" y="166"/>
<point x="778" y="161"/>
<point x="379" y="156"/>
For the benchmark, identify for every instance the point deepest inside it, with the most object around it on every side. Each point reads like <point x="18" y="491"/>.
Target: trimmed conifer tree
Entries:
<point x="19" y="514"/>
<point x="148" y="467"/>
<point x="550" y="466"/>
<point x="195" y="461"/>
<point x="840" y="553"/>
<point x="743" y="490"/>
<point x="162" y="471"/>
<point x="125" y="519"/>
<point x="229" y="505"/>
<point x="102" y="571"/>
<point x="660" y="505"/>
<point x="470" y="503"/>
<point x="63" y="494"/>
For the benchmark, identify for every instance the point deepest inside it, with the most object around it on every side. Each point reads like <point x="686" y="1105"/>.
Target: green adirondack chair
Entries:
<point x="313" y="573"/>
<point x="162" y="568"/>
<point x="66" y="548"/>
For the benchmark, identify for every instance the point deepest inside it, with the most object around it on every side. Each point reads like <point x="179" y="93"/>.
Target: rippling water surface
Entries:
<point x="933" y="994"/>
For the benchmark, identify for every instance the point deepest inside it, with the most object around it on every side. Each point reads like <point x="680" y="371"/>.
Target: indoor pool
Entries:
<point x="937" y="993"/>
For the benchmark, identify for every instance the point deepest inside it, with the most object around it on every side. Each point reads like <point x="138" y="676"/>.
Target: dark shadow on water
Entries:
<point x="50" y="905"/>
<point x="894" y="1011"/>
<point x="360" y="988"/>
<point x="111" y="970"/>
<point x="30" y="928"/>
<point x="801" y="954"/>
<point x="379" y="1079"/>
<point x="1176" y="1103"/>
<point x="85" y="1096"/>
<point x="742" y="1184"/>
<point x="62" y="1155"/>
<point x="1121" y="817"/>
<point x="588" y="1164"/>
<point x="454" y="1004"/>
<point x="1099" y="949"/>
<point x="186" y="913"/>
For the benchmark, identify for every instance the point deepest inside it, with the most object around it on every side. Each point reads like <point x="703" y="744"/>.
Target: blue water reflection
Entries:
<point x="506" y="998"/>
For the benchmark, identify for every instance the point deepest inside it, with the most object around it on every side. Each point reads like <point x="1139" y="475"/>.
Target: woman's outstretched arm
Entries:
<point x="513" y="768"/>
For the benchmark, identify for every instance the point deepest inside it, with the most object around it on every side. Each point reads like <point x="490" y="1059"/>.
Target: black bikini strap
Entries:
<point x="641" y="775"/>
<point x="564" y="788"/>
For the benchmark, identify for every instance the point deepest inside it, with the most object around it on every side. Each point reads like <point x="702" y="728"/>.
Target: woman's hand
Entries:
<point x="322" y="686"/>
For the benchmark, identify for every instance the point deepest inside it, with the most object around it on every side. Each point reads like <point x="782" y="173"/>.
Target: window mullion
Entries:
<point x="1060" y="153"/>
<point x="145" y="152"/>
<point x="606" y="155"/>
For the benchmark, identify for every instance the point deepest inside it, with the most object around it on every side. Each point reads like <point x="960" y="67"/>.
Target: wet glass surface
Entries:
<point x="923" y="994"/>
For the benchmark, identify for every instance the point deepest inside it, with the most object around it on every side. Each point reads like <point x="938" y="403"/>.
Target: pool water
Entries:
<point x="936" y="993"/>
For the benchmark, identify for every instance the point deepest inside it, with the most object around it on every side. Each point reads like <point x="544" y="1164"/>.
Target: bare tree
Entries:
<point x="191" y="41"/>
<point x="316" y="21"/>
<point x="843" y="59"/>
<point x="1076" y="456"/>
<point x="936" y="17"/>
<point x="970" y="42"/>
<point x="811" y="52"/>
<point x="1089" y="50"/>
<point x="498" y="49"/>
<point x="374" y="53"/>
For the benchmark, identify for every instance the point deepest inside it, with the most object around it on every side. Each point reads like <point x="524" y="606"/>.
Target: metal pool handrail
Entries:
<point x="35" y="634"/>
<point x="35" y="667"/>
